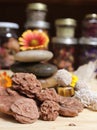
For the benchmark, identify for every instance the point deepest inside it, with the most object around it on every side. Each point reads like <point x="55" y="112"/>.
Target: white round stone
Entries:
<point x="33" y="56"/>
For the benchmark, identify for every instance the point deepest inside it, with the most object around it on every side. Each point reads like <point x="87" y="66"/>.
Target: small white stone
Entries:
<point x="63" y="77"/>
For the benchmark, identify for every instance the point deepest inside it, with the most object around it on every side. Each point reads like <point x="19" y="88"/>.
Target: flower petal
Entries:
<point x="5" y="80"/>
<point x="33" y="39"/>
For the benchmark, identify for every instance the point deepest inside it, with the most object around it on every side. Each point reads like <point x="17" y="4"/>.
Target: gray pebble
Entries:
<point x="43" y="69"/>
<point x="39" y="69"/>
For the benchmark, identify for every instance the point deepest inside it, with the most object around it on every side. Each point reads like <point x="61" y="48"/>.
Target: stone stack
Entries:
<point x="36" y="62"/>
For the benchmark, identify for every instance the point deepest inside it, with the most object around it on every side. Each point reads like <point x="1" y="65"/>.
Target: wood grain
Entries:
<point x="87" y="120"/>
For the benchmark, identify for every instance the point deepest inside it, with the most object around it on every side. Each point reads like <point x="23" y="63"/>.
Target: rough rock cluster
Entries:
<point x="26" y="101"/>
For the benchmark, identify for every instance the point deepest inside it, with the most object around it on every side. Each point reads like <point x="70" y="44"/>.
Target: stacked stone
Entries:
<point x="36" y="62"/>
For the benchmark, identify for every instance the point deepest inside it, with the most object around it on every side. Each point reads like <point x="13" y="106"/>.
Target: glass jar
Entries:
<point x="8" y="44"/>
<point x="89" y="25"/>
<point x="40" y="26"/>
<point x="87" y="50"/>
<point x="36" y="12"/>
<point x="64" y="52"/>
<point x="65" y="27"/>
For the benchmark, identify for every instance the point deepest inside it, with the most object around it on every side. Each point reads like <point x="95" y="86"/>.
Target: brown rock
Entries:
<point x="49" y="110"/>
<point x="26" y="84"/>
<point x="25" y="110"/>
<point x="69" y="106"/>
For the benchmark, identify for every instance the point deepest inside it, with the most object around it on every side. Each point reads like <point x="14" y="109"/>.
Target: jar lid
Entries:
<point x="91" y="16"/>
<point x="66" y="21"/>
<point x="88" y="41"/>
<point x="38" y="24"/>
<point x="37" y="6"/>
<point x="9" y="25"/>
<point x="67" y="41"/>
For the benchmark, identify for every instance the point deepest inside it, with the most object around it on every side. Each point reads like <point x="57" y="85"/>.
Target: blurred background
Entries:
<point x="73" y="42"/>
<point x="15" y="11"/>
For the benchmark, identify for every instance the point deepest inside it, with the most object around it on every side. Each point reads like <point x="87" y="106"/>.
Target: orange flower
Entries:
<point x="33" y="40"/>
<point x="5" y="80"/>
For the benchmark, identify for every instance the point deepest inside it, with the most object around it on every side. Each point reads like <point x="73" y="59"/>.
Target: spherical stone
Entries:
<point x="33" y="56"/>
<point x="43" y="69"/>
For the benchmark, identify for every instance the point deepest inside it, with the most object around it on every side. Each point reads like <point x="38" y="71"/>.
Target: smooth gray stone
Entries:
<point x="43" y="69"/>
<point x="21" y="66"/>
<point x="39" y="69"/>
<point x="33" y="56"/>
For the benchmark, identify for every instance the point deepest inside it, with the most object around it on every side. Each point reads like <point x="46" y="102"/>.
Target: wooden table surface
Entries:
<point x="86" y="120"/>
